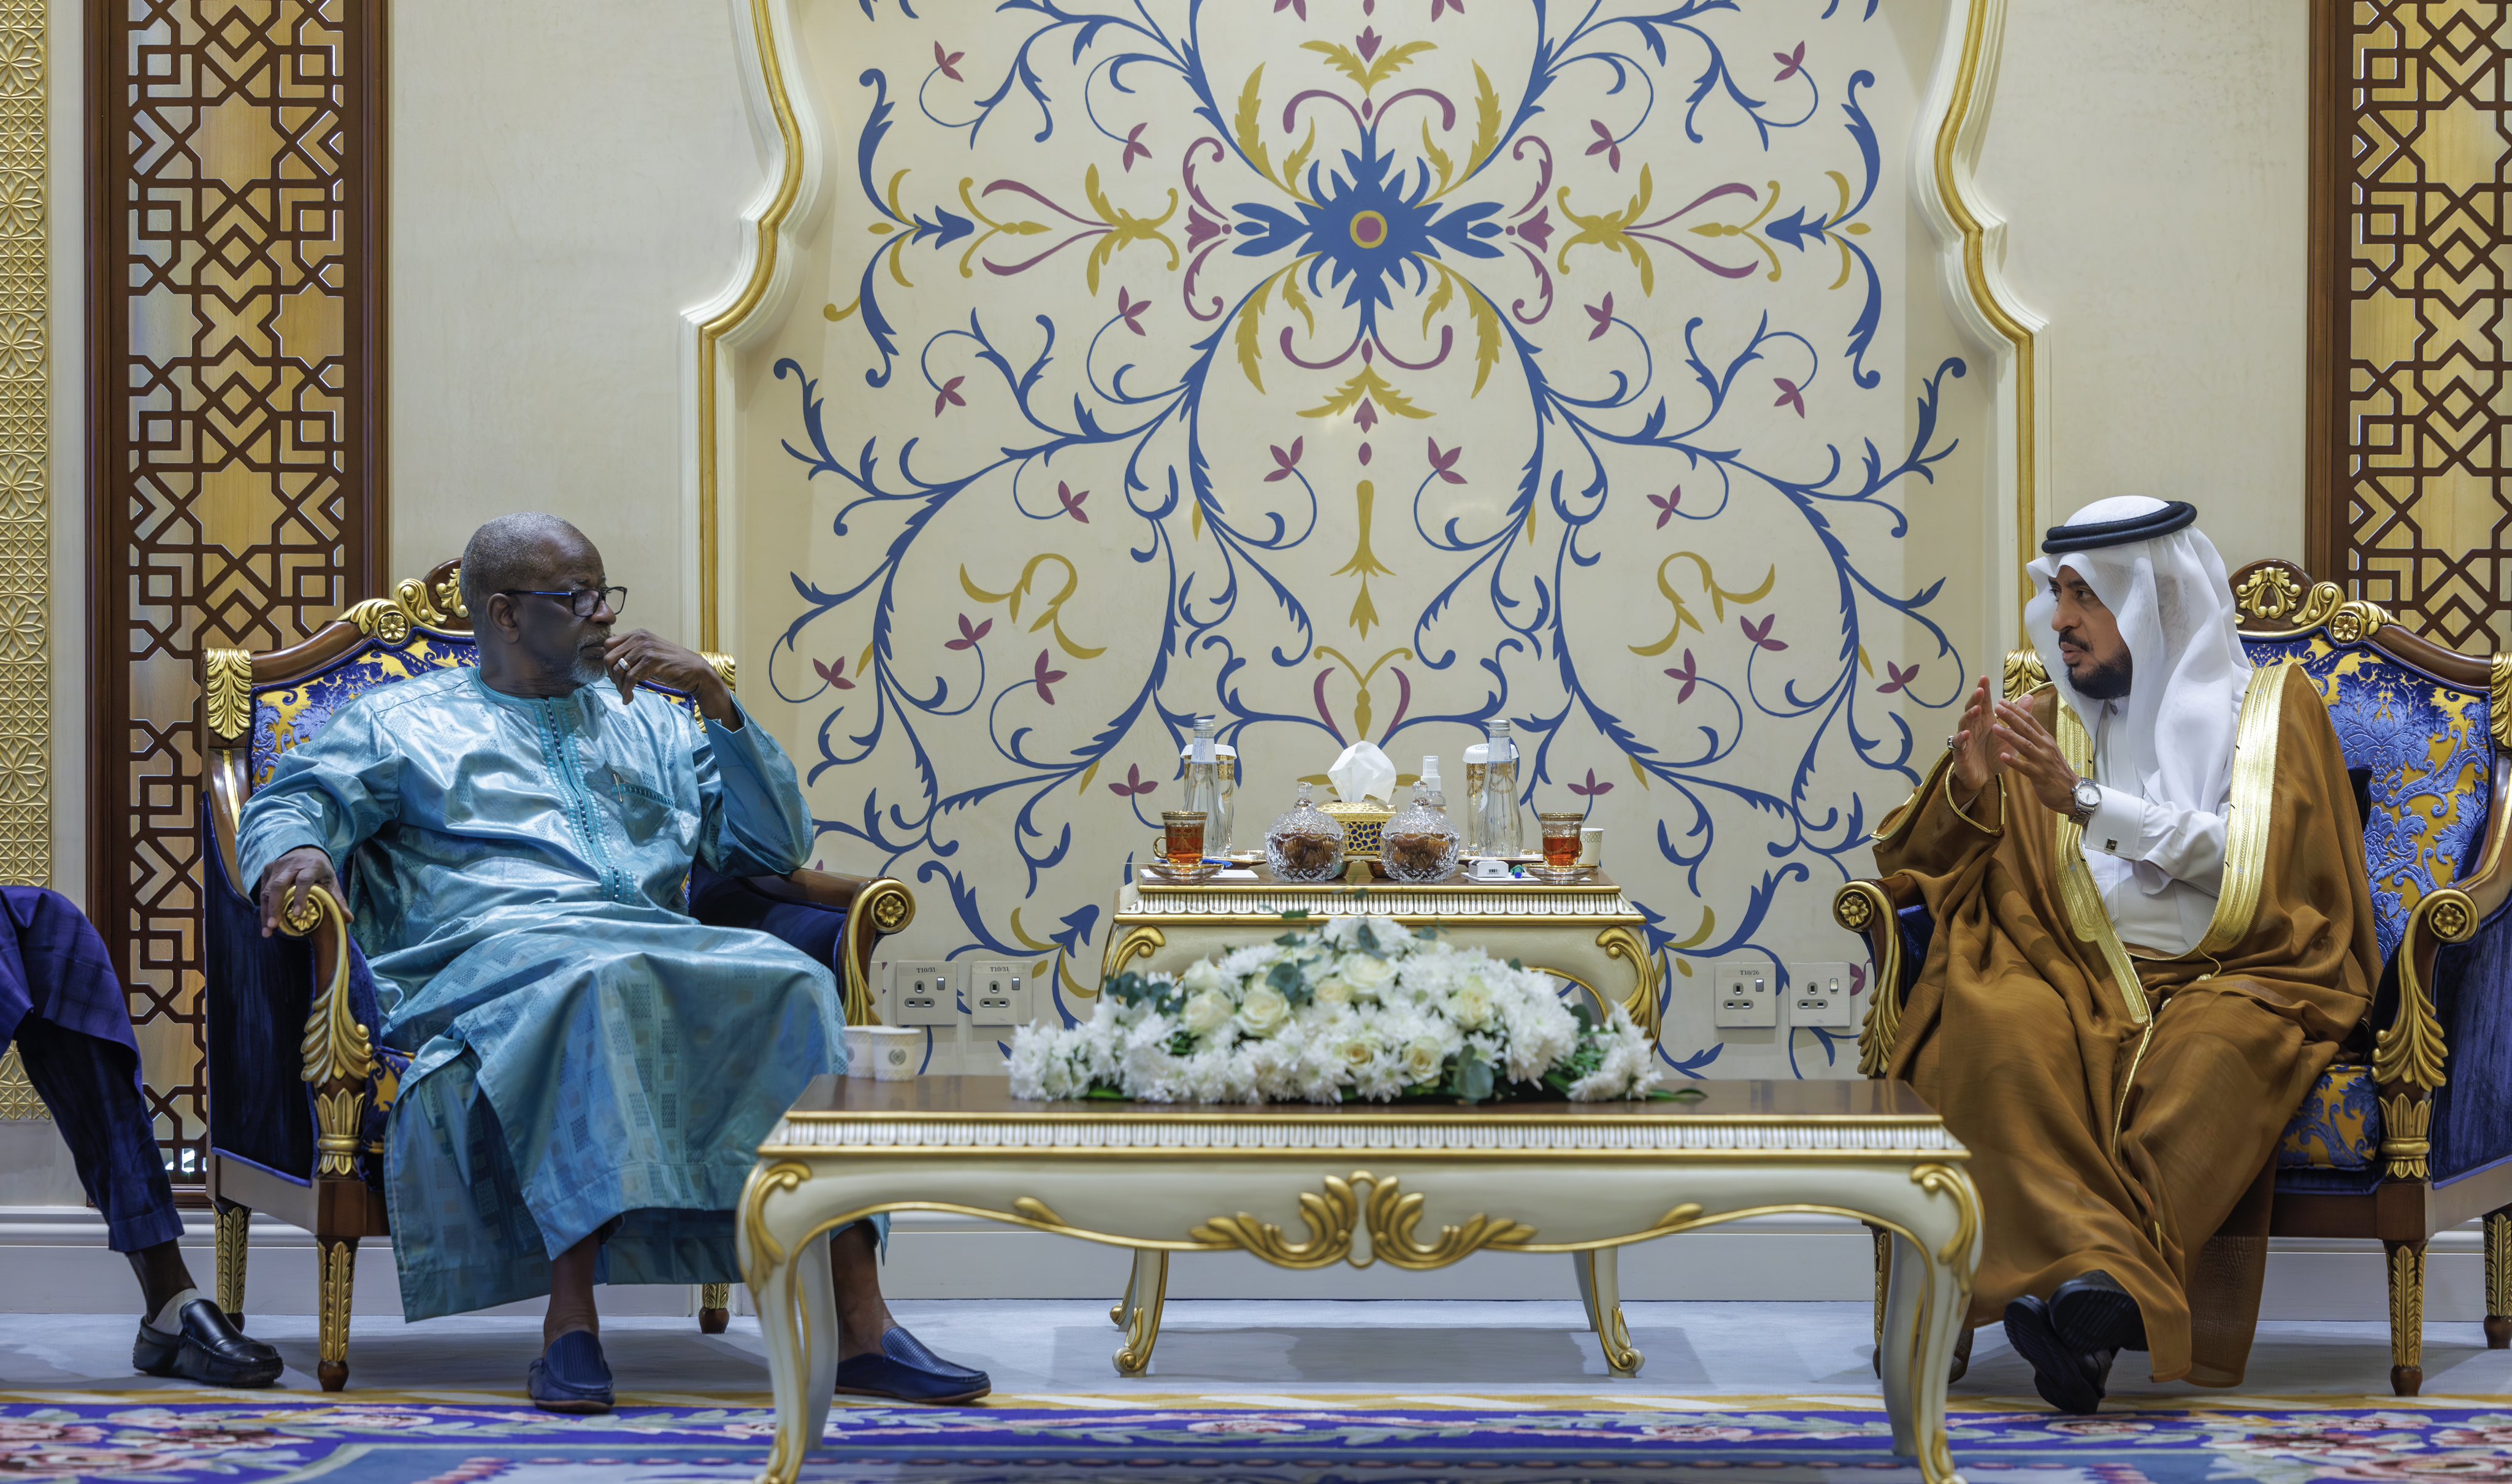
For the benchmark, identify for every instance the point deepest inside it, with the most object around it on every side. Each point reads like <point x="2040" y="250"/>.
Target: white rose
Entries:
<point x="1355" y="1052"/>
<point x="1207" y="1010"/>
<point x="1366" y="975"/>
<point x="1421" y="1061"/>
<point x="1204" y="975"/>
<point x="1264" y="1011"/>
<point x="1472" y="1005"/>
<point x="1334" y="990"/>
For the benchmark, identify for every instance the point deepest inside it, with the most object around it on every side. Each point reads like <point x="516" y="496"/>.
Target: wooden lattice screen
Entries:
<point x="235" y="189"/>
<point x="2411" y="505"/>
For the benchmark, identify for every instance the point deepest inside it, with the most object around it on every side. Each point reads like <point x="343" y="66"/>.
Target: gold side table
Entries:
<point x="1415" y="1186"/>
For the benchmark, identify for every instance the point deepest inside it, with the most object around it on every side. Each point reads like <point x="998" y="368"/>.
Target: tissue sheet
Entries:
<point x="1363" y="771"/>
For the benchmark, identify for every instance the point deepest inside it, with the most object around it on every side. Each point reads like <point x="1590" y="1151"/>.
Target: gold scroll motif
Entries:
<point x="1628" y="946"/>
<point x="26" y="469"/>
<point x="1858" y="907"/>
<point x="2024" y="673"/>
<point x="1137" y="943"/>
<point x="765" y="1252"/>
<point x="1390" y="1215"/>
<point x="412" y="606"/>
<point x="2499" y="697"/>
<point x="1945" y="1180"/>
<point x="227" y="692"/>
<point x="337" y="1056"/>
<point x="883" y="906"/>
<point x="2410" y="1052"/>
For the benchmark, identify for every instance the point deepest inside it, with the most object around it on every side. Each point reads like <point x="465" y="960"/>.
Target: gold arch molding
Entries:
<point x="1953" y="121"/>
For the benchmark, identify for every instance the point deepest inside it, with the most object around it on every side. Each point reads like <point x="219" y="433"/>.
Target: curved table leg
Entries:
<point x="1141" y="1306"/>
<point x="1927" y="1293"/>
<point x="1599" y="1274"/>
<point x="798" y="1322"/>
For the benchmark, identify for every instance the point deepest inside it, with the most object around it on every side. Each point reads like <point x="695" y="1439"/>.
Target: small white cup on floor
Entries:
<point x="893" y="1053"/>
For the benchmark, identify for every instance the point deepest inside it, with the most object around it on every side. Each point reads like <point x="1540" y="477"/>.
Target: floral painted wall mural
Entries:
<point x="1363" y="369"/>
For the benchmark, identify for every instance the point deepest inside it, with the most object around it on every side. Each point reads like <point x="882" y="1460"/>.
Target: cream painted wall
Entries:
<point x="2150" y="157"/>
<point x="565" y="179"/>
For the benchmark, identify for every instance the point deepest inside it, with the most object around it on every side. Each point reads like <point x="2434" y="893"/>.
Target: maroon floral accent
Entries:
<point x="1367" y="43"/>
<point x="1592" y="788"/>
<point x="1071" y="499"/>
<point x="1666" y="504"/>
<point x="1760" y="633"/>
<point x="1367" y="418"/>
<point x="1687" y="673"/>
<point x="1044" y="678"/>
<point x="1130" y="310"/>
<point x="1602" y="314"/>
<point x="835" y="675"/>
<point x="949" y="64"/>
<point x="950" y="396"/>
<point x="1135" y="149"/>
<point x="1444" y="465"/>
<point x="1606" y="144"/>
<point x="1285" y="463"/>
<point x="1299" y="8"/>
<point x="1896" y="678"/>
<point x="1790" y="395"/>
<point x="1537" y="229"/>
<point x="969" y="634"/>
<point x="1440" y="8"/>
<point x="1790" y="63"/>
<point x="1199" y="228"/>
<point x="1135" y="783"/>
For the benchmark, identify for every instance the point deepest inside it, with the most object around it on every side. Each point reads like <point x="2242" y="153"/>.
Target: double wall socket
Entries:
<point x="924" y="993"/>
<point x="1748" y="995"/>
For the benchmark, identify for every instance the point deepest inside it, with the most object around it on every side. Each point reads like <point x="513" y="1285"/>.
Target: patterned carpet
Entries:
<point x="455" y="1439"/>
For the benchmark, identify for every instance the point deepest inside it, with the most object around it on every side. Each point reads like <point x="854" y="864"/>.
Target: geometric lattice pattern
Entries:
<point x="25" y="477"/>
<point x="2424" y="516"/>
<point x="238" y="515"/>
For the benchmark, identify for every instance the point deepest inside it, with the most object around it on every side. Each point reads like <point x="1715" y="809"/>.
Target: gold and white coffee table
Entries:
<point x="1414" y="1185"/>
<point x="1587" y="931"/>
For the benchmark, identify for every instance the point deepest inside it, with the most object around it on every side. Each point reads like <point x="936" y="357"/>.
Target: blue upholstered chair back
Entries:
<point x="2422" y="749"/>
<point x="287" y="714"/>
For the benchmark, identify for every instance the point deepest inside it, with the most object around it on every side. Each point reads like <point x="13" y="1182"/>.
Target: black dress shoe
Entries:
<point x="205" y="1348"/>
<point x="2092" y="1312"/>
<point x="2068" y="1378"/>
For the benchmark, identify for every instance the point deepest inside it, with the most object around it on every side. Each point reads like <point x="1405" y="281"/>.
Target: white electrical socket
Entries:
<point x="996" y="996"/>
<point x="924" y="993"/>
<point x="1819" y="996"/>
<point x="1747" y="997"/>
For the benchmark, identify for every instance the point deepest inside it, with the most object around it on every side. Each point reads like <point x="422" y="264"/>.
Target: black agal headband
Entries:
<point x="2096" y="535"/>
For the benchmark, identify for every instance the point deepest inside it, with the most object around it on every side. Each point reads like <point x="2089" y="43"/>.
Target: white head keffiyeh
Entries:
<point x="2174" y="730"/>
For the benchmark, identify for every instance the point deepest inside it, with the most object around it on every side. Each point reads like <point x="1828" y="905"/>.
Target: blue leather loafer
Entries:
<point x="570" y="1375"/>
<point x="904" y="1370"/>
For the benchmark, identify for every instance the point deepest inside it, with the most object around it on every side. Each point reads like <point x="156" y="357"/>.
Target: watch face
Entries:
<point x="2087" y="796"/>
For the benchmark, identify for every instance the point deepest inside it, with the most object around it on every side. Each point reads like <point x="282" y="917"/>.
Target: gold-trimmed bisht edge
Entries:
<point x="2246" y="831"/>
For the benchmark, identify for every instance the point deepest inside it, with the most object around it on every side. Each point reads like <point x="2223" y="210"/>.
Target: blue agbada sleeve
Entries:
<point x="333" y="792"/>
<point x="755" y="821"/>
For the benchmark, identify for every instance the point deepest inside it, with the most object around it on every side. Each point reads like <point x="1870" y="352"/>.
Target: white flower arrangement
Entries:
<point x="1354" y="1010"/>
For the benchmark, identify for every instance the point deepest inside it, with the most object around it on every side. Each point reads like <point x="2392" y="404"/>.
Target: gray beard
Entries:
<point x="588" y="671"/>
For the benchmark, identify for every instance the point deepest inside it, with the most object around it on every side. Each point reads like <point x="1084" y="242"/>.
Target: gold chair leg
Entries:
<point x="2406" y="1317"/>
<point x="2498" y="1279"/>
<point x="715" y="1308"/>
<point x="339" y="1258"/>
<point x="235" y="1225"/>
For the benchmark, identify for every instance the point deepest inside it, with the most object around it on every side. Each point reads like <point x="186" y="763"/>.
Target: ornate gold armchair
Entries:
<point x="2410" y="1132"/>
<point x="300" y="1085"/>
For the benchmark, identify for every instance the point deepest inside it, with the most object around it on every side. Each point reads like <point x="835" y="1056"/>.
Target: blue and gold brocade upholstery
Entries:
<point x="2339" y="1126"/>
<point x="287" y="716"/>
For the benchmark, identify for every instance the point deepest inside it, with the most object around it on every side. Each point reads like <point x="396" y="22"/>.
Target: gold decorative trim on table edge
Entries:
<point x="766" y="229"/>
<point x="25" y="455"/>
<point x="1855" y="906"/>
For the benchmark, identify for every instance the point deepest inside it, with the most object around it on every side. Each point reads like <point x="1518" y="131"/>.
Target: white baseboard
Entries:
<point x="58" y="1263"/>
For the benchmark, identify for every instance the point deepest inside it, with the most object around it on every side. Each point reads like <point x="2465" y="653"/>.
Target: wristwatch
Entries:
<point x="2089" y="798"/>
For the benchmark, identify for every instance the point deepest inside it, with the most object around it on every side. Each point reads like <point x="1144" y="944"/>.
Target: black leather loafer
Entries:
<point x="2093" y="1312"/>
<point x="2068" y="1378"/>
<point x="904" y="1370"/>
<point x="205" y="1349"/>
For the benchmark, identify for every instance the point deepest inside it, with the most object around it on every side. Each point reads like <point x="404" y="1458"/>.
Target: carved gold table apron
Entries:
<point x="1415" y="1186"/>
<point x="1586" y="932"/>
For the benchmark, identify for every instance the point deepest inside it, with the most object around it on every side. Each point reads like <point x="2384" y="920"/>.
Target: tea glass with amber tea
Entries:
<point x="1183" y="840"/>
<point x="1560" y="847"/>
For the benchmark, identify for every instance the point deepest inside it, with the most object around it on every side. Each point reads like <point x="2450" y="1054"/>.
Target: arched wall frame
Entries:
<point x="1946" y="159"/>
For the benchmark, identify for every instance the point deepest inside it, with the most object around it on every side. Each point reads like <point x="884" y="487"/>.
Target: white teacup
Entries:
<point x="884" y="1053"/>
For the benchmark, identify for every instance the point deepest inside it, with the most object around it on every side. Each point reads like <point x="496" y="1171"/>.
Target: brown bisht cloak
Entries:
<point x="2123" y="1108"/>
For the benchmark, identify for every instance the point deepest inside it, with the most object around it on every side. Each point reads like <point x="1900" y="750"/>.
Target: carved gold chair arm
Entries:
<point x="338" y="1056"/>
<point x="1869" y="909"/>
<point x="880" y="908"/>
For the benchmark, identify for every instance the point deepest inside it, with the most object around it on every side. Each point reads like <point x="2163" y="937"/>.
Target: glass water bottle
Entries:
<point x="1203" y="788"/>
<point x="1501" y="833"/>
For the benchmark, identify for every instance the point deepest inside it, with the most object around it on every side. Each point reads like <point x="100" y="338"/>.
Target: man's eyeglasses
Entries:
<point x="584" y="601"/>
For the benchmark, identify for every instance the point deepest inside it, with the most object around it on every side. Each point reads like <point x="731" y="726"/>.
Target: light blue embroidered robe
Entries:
<point x="585" y="1050"/>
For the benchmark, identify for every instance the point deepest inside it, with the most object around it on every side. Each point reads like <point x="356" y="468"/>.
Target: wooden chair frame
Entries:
<point x="2276" y="600"/>
<point x="339" y="1062"/>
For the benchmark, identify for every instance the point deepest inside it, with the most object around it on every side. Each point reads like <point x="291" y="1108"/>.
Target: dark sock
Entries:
<point x="162" y="1275"/>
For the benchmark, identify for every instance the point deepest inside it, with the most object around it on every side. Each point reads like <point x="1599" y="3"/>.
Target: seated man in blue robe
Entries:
<point x="593" y="1071"/>
<point x="61" y="1005"/>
